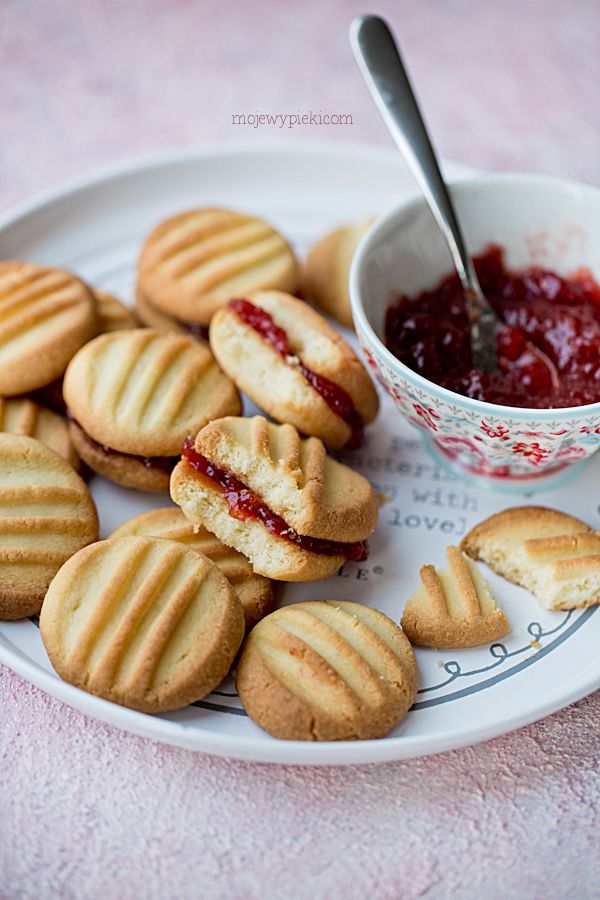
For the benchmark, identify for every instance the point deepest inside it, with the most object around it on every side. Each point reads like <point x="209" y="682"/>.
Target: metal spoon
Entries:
<point x="379" y="60"/>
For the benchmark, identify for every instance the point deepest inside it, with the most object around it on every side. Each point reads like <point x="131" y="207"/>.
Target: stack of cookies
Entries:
<point x="155" y="616"/>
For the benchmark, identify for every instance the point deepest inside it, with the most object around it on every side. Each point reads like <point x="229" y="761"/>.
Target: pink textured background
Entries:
<point x="88" y="811"/>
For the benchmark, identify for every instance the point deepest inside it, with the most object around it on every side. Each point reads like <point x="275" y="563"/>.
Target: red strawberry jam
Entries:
<point x="245" y="504"/>
<point x="559" y="316"/>
<point x="337" y="399"/>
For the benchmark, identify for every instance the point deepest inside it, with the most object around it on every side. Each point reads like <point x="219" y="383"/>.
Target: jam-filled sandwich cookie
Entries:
<point x="552" y="554"/>
<point x="327" y="671"/>
<point x="143" y="622"/>
<point x="295" y="512"/>
<point x="20" y="415"/>
<point x="46" y="315"/>
<point x="256" y="593"/>
<point x="46" y="515"/>
<point x="192" y="263"/>
<point x="287" y="358"/>
<point x="134" y="396"/>
<point x="112" y="314"/>
<point x="327" y="270"/>
<point x="454" y="607"/>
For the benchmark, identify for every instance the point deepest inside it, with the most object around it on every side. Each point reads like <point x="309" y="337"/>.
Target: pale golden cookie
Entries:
<point x="143" y="622"/>
<point x="140" y="393"/>
<point x="192" y="263"/>
<point x="20" y="415"/>
<point x="327" y="270"/>
<point x="256" y="593"/>
<point x="112" y="314"/>
<point x="552" y="554"/>
<point x="46" y="315"/>
<point x="454" y="607"/>
<point x="317" y="497"/>
<point x="281" y="385"/>
<point x="327" y="671"/>
<point x="46" y="515"/>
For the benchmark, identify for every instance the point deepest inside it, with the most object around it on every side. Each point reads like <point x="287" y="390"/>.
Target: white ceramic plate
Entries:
<point x="95" y="227"/>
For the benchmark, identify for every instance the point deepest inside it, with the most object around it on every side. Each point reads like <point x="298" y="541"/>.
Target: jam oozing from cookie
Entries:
<point x="558" y="315"/>
<point x="165" y="463"/>
<point x="336" y="398"/>
<point x="244" y="504"/>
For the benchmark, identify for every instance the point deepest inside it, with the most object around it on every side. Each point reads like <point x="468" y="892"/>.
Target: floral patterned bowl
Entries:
<point x="538" y="221"/>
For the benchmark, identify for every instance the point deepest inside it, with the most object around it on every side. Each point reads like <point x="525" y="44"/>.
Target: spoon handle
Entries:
<point x="379" y="60"/>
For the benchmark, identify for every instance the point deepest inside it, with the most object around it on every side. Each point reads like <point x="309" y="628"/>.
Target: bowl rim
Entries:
<point x="364" y="328"/>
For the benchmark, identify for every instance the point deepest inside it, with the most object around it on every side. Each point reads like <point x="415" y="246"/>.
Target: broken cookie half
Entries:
<point x="454" y="607"/>
<point x="550" y="553"/>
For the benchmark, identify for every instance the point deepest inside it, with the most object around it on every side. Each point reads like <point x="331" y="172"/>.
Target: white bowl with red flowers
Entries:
<point x="543" y="225"/>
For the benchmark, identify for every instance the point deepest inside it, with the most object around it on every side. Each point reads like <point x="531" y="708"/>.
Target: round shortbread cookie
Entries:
<point x="20" y="415"/>
<point x="257" y="594"/>
<point x="141" y="621"/>
<point x="46" y="315"/>
<point x="276" y="382"/>
<point x="142" y="392"/>
<point x="112" y="314"/>
<point x="192" y="263"/>
<point x="327" y="671"/>
<point x="327" y="270"/>
<point x="46" y="515"/>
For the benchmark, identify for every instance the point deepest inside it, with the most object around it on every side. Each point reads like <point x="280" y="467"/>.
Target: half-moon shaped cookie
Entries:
<point x="453" y="607"/>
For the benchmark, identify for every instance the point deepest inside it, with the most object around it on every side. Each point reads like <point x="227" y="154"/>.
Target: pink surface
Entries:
<point x="88" y="811"/>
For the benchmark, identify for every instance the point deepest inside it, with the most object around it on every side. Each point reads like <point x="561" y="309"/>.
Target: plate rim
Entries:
<point x="136" y="163"/>
<point x="173" y="733"/>
<point x="255" y="749"/>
